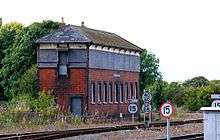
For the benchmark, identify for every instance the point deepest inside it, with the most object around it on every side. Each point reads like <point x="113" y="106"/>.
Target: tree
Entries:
<point x="195" y="98"/>
<point x="27" y="83"/>
<point x="8" y="33"/>
<point x="196" y="82"/>
<point x="22" y="55"/>
<point x="149" y="72"/>
<point x="150" y="77"/>
<point x="174" y="92"/>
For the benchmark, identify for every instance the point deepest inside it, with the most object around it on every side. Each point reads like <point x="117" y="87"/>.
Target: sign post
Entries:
<point x="166" y="111"/>
<point x="132" y="108"/>
<point x="146" y="108"/>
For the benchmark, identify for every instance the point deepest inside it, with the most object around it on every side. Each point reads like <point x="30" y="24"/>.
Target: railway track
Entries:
<point x="199" y="136"/>
<point x="49" y="135"/>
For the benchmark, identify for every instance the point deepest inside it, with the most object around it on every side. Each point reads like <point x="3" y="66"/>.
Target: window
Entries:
<point x="135" y="90"/>
<point x="62" y="64"/>
<point x="116" y="93"/>
<point x="126" y="92"/>
<point x="105" y="92"/>
<point x="93" y="93"/>
<point x="99" y="92"/>
<point x="110" y="93"/>
<point x="122" y="93"/>
<point x="132" y="92"/>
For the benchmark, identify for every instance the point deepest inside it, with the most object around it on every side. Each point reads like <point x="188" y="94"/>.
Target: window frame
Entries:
<point x="105" y="92"/>
<point x="93" y="93"/>
<point x="110" y="92"/>
<point x="131" y="90"/>
<point x="126" y="92"/>
<point x="99" y="91"/>
<point x="116" y="92"/>
<point x="121" y="92"/>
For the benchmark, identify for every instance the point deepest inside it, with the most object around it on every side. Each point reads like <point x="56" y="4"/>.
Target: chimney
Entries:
<point x="82" y="24"/>
<point x="62" y="23"/>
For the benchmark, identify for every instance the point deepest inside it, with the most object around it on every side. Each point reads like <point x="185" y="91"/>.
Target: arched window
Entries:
<point x="93" y="93"/>
<point x="135" y="90"/>
<point x="121" y="93"/>
<point x="99" y="92"/>
<point x="116" y="93"/>
<point x="105" y="93"/>
<point x="110" y="93"/>
<point x="132" y="91"/>
<point x="126" y="92"/>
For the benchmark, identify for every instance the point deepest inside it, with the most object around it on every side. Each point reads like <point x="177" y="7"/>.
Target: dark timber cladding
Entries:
<point x="90" y="71"/>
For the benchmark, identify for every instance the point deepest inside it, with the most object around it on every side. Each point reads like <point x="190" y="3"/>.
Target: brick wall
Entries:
<point x="64" y="89"/>
<point x="110" y="76"/>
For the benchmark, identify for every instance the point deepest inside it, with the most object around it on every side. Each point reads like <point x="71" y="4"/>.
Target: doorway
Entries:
<point x="76" y="106"/>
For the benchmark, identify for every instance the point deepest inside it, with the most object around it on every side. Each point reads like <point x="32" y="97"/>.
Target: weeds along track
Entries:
<point x="49" y="135"/>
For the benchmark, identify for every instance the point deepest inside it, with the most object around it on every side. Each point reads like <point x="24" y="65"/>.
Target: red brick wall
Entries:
<point x="64" y="89"/>
<point x="47" y="79"/>
<point x="107" y="76"/>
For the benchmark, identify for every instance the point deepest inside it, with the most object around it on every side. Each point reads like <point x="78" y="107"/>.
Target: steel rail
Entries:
<point x="76" y="132"/>
<point x="199" y="136"/>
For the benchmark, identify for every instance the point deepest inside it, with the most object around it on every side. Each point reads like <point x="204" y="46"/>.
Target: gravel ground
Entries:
<point x="141" y="134"/>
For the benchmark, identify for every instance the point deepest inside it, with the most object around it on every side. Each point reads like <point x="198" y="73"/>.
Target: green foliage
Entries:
<point x="150" y="77"/>
<point x="195" y="98"/>
<point x="22" y="55"/>
<point x="26" y="84"/>
<point x="174" y="93"/>
<point x="149" y="72"/>
<point x="8" y="33"/>
<point x="25" y="108"/>
<point x="45" y="104"/>
<point x="195" y="82"/>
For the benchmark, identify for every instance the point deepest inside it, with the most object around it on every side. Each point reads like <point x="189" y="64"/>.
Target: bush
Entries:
<point x="195" y="98"/>
<point x="24" y="109"/>
<point x="45" y="104"/>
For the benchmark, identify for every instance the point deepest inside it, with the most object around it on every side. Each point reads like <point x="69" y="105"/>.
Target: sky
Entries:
<point x="183" y="34"/>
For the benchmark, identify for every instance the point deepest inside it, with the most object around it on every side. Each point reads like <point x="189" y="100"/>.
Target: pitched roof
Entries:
<point x="82" y="34"/>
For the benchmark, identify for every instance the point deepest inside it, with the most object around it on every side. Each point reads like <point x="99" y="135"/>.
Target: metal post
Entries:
<point x="144" y="118"/>
<point x="150" y="117"/>
<point x="168" y="127"/>
<point x="132" y="117"/>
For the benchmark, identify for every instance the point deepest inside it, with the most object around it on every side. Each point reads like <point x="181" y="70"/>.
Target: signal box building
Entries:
<point x="89" y="71"/>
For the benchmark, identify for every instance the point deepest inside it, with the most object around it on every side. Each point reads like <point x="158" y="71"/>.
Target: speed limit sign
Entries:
<point x="132" y="108"/>
<point x="166" y="110"/>
<point x="216" y="103"/>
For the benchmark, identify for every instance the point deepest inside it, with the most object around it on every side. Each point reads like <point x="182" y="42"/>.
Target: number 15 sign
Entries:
<point x="166" y="110"/>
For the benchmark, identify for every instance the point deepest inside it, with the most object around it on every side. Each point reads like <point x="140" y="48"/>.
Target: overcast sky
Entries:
<point x="184" y="34"/>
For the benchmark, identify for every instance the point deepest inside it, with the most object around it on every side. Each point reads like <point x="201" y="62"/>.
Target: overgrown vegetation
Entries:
<point x="18" y="80"/>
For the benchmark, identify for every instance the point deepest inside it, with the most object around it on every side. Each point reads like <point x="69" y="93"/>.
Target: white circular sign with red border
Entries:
<point x="167" y="110"/>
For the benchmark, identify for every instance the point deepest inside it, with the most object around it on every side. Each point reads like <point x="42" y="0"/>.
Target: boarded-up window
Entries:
<point x="62" y="66"/>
